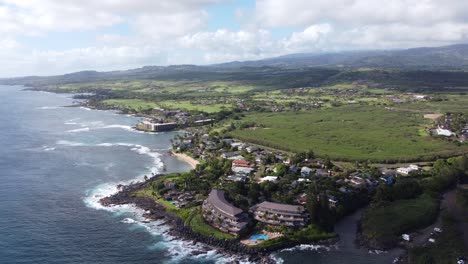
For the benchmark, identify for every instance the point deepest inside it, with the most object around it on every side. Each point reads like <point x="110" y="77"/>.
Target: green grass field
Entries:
<point x="130" y="104"/>
<point x="386" y="224"/>
<point x="208" y="107"/>
<point x="348" y="133"/>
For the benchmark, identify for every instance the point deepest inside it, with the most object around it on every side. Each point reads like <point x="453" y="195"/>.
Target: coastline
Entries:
<point x="156" y="211"/>
<point x="191" y="161"/>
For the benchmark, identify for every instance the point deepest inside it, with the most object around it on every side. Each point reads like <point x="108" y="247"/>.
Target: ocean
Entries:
<point x="56" y="162"/>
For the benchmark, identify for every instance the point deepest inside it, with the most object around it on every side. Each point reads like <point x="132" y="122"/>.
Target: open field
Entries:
<point x="450" y="103"/>
<point x="203" y="106"/>
<point x="348" y="133"/>
<point x="131" y="104"/>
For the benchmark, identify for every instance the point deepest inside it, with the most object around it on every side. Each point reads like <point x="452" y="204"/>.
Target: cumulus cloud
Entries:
<point x="175" y="31"/>
<point x="39" y="16"/>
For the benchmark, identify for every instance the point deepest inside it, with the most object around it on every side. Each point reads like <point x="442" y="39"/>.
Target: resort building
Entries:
<point x="148" y="125"/>
<point x="280" y="214"/>
<point x="223" y="215"/>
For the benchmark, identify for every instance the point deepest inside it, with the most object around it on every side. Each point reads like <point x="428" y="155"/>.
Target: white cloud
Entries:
<point x="41" y="16"/>
<point x="175" y="31"/>
<point x="311" y="38"/>
<point x="279" y="13"/>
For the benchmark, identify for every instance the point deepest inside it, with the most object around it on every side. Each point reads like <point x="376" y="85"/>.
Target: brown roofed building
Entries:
<point x="280" y="214"/>
<point x="242" y="163"/>
<point x="221" y="214"/>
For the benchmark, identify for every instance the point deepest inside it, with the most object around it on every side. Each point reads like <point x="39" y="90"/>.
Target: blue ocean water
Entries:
<point x="56" y="162"/>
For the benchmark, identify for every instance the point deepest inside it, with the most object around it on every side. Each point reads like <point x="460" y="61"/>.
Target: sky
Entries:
<point x="48" y="37"/>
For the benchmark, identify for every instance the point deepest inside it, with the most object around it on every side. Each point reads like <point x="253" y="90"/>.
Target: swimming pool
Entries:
<point x="258" y="237"/>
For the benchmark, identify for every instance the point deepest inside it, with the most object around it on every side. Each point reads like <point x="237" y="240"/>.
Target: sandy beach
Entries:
<point x="193" y="162"/>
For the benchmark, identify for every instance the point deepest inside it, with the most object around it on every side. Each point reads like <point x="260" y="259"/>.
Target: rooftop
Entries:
<point x="216" y="199"/>
<point x="297" y="209"/>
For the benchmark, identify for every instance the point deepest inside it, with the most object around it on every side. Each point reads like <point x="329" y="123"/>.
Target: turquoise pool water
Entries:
<point x="258" y="237"/>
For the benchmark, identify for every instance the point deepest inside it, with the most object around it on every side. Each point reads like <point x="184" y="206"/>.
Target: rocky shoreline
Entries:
<point x="156" y="211"/>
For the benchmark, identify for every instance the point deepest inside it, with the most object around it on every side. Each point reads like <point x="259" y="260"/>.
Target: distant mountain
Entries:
<point x="454" y="57"/>
<point x="440" y="58"/>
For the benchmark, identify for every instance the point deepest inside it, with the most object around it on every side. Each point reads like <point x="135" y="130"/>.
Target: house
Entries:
<point x="269" y="179"/>
<point x="322" y="173"/>
<point x="203" y="122"/>
<point x="444" y="132"/>
<point x="293" y="169"/>
<point x="280" y="214"/>
<point x="251" y="149"/>
<point x="242" y="170"/>
<point x="238" y="157"/>
<point x="237" y="145"/>
<point x="222" y="215"/>
<point x="227" y="155"/>
<point x="357" y="182"/>
<point x="228" y="141"/>
<point x="237" y="178"/>
<point x="306" y="171"/>
<point x="387" y="172"/>
<point x="388" y="180"/>
<point x="242" y="163"/>
<point x="408" y="170"/>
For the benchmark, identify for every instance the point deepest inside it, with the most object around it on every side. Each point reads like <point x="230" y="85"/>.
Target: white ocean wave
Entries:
<point x="49" y="107"/>
<point x="85" y="129"/>
<point x="276" y="258"/>
<point x="309" y="247"/>
<point x="128" y="220"/>
<point x="140" y="149"/>
<point x="176" y="249"/>
<point x="70" y="143"/>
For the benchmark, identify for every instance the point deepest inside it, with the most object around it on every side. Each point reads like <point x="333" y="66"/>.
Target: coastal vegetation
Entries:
<point x="382" y="226"/>
<point x="411" y="203"/>
<point x="446" y="249"/>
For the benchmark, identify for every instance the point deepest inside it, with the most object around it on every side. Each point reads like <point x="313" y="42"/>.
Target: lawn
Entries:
<point x="384" y="225"/>
<point x="207" y="107"/>
<point x="130" y="104"/>
<point x="348" y="133"/>
<point x="193" y="218"/>
<point x="311" y="233"/>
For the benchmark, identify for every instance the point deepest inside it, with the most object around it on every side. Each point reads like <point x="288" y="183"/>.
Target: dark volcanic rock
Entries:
<point x="155" y="211"/>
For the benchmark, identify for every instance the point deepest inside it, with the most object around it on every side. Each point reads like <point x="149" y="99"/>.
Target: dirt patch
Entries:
<point x="432" y="116"/>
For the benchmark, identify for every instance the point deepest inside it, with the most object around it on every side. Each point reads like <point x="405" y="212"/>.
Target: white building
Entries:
<point x="269" y="178"/>
<point x="444" y="132"/>
<point x="408" y="170"/>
